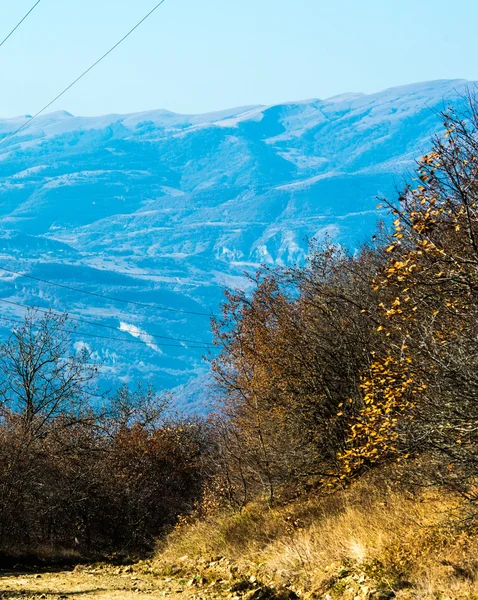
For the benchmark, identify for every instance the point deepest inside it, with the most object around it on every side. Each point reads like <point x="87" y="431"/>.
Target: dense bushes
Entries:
<point x="75" y="487"/>
<point x="76" y="471"/>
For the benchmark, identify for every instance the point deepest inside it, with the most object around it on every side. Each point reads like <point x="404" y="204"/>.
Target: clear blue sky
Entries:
<point x="197" y="56"/>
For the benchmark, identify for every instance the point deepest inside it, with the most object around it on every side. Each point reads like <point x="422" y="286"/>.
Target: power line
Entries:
<point x="19" y="23"/>
<point x="112" y="298"/>
<point x="144" y="305"/>
<point x="90" y="68"/>
<point x="11" y="319"/>
<point x="105" y="337"/>
<point x="96" y="324"/>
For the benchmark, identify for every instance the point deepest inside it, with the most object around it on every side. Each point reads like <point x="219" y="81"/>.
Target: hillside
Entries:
<point x="165" y="209"/>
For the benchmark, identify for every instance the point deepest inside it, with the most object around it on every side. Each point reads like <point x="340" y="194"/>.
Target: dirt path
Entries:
<point x="103" y="582"/>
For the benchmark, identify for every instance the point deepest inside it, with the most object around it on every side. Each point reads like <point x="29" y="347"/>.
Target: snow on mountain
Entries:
<point x="164" y="209"/>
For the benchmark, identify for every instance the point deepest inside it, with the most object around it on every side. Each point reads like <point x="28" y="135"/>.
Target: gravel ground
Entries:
<point x="103" y="582"/>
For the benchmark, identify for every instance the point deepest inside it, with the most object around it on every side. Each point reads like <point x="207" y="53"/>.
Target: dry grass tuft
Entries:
<point x="365" y="543"/>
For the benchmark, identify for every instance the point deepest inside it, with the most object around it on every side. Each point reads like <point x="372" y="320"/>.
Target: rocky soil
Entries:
<point x="137" y="581"/>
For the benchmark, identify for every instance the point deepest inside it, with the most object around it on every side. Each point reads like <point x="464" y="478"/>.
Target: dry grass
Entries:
<point x="360" y="543"/>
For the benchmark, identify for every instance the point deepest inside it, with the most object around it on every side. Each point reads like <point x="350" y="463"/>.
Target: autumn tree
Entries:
<point x="41" y="380"/>
<point x="288" y="371"/>
<point x="421" y="394"/>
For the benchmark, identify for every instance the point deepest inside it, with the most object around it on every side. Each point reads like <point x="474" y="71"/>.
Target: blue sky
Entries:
<point x="198" y="56"/>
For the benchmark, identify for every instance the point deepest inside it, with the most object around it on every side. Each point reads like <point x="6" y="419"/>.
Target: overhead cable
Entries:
<point x="96" y="324"/>
<point x="111" y="298"/>
<point x="90" y="68"/>
<point x="19" y="23"/>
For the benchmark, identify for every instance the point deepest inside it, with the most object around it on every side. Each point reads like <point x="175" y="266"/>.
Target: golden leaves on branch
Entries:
<point x="388" y="391"/>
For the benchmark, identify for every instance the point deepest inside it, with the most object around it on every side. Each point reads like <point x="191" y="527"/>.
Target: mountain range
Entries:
<point x="152" y="214"/>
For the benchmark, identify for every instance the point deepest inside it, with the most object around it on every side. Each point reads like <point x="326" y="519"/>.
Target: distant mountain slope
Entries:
<point x="163" y="209"/>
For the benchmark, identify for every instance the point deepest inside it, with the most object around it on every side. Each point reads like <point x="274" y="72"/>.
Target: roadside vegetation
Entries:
<point x="341" y="460"/>
<point x="346" y="432"/>
<point x="83" y="474"/>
